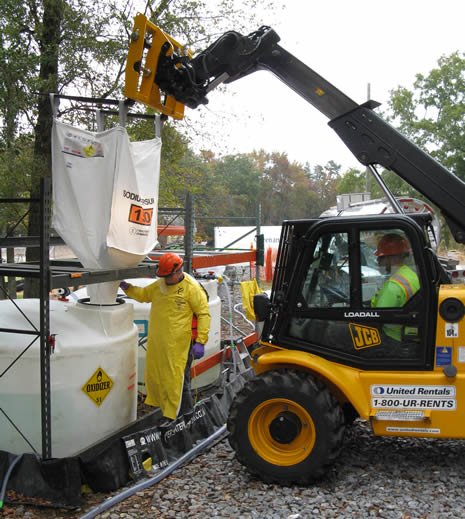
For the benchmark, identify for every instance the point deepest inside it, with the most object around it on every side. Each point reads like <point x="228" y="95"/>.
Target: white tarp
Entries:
<point x="105" y="196"/>
<point x="245" y="237"/>
<point x="224" y="236"/>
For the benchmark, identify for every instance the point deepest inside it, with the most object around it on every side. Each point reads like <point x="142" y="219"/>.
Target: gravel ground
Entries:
<point x="373" y="477"/>
<point x="391" y="478"/>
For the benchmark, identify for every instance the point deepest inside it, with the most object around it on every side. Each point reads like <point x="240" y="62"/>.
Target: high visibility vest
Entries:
<point x="397" y="290"/>
<point x="407" y="280"/>
<point x="395" y="293"/>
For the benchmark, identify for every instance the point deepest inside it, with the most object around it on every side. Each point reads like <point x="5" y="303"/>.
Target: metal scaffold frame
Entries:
<point x="53" y="274"/>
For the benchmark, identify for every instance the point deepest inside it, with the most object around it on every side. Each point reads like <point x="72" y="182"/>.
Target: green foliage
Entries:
<point x="93" y="46"/>
<point x="18" y="61"/>
<point x="433" y="114"/>
<point x="324" y="182"/>
<point x="15" y="166"/>
<point x="181" y="170"/>
<point x="284" y="189"/>
<point x="237" y="181"/>
<point x="197" y="23"/>
<point x="352" y="181"/>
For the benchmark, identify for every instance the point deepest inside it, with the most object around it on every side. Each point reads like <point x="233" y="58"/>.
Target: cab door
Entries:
<point x="329" y="306"/>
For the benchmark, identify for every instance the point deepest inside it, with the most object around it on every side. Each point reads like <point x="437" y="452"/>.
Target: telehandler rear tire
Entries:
<point x="286" y="427"/>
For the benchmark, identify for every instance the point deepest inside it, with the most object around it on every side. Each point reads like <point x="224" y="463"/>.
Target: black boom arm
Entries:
<point x="187" y="81"/>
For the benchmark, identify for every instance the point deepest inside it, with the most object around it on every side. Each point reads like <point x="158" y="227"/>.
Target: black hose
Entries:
<point x="7" y="477"/>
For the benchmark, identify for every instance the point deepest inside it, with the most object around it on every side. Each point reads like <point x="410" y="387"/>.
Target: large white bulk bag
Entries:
<point x="105" y="198"/>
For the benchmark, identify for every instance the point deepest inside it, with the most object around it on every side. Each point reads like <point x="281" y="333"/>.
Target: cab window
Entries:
<point x="327" y="281"/>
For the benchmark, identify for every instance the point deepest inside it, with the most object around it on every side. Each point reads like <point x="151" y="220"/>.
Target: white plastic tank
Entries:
<point x="141" y="317"/>
<point x="93" y="372"/>
<point x="214" y="337"/>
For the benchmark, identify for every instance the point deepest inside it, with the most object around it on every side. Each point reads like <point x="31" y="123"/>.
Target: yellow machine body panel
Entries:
<point x="145" y="47"/>
<point x="343" y="380"/>
<point x="403" y="403"/>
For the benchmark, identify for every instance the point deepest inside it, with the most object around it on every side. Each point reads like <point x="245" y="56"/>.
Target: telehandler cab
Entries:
<point x="328" y="352"/>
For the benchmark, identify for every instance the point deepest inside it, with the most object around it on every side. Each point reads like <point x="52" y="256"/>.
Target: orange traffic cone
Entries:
<point x="269" y="264"/>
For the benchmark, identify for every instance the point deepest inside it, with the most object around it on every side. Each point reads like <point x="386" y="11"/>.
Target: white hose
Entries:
<point x="6" y="478"/>
<point x="228" y="296"/>
<point x="73" y="296"/>
<point x="236" y="309"/>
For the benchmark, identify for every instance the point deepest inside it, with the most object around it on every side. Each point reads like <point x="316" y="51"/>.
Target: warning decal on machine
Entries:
<point x="443" y="356"/>
<point x="98" y="386"/>
<point x="441" y="398"/>
<point x="452" y="330"/>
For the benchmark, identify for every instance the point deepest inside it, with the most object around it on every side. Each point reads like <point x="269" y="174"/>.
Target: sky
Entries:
<point x="357" y="45"/>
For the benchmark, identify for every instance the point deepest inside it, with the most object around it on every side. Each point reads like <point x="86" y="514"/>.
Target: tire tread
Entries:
<point x="310" y="385"/>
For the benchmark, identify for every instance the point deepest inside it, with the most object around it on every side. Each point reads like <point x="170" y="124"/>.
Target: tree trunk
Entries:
<point x="49" y="42"/>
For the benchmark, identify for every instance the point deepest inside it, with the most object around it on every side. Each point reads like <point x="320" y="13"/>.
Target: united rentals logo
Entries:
<point x="364" y="336"/>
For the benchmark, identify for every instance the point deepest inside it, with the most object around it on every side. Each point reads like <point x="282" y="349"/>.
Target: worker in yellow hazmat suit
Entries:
<point x="176" y="297"/>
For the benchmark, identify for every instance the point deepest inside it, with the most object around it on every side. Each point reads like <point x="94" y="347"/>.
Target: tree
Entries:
<point x="42" y="38"/>
<point x="433" y="114"/>
<point x="78" y="47"/>
<point x="238" y="180"/>
<point x="323" y="182"/>
<point x="352" y="181"/>
<point x="285" y="191"/>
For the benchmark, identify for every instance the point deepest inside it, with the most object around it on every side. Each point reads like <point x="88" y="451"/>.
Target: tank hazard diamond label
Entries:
<point x="98" y="386"/>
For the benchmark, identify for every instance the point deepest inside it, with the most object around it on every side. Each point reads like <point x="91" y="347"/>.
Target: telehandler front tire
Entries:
<point x="286" y="427"/>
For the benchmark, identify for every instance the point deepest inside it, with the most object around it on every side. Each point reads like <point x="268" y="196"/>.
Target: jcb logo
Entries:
<point x="364" y="336"/>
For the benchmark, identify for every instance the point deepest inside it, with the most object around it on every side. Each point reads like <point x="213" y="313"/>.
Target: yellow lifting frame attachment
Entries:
<point x="142" y="63"/>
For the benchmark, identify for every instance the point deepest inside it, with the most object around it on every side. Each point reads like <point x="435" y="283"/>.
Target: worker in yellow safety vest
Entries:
<point x="392" y="252"/>
<point x="175" y="299"/>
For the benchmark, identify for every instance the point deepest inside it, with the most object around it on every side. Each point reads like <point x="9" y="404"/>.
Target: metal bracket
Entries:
<point x="55" y="103"/>
<point x="145" y="48"/>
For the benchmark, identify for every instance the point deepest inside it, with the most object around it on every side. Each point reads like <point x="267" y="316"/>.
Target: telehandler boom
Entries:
<point x="334" y="346"/>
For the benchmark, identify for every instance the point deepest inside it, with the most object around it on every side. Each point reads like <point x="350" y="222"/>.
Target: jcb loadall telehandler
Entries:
<point x="328" y="352"/>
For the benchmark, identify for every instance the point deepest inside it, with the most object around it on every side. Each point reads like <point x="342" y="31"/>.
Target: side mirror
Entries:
<point x="261" y="306"/>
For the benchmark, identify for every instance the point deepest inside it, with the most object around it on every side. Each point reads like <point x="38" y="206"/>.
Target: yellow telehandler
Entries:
<point x="336" y="343"/>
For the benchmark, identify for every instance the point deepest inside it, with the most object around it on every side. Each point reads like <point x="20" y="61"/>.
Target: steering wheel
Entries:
<point x="334" y="295"/>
